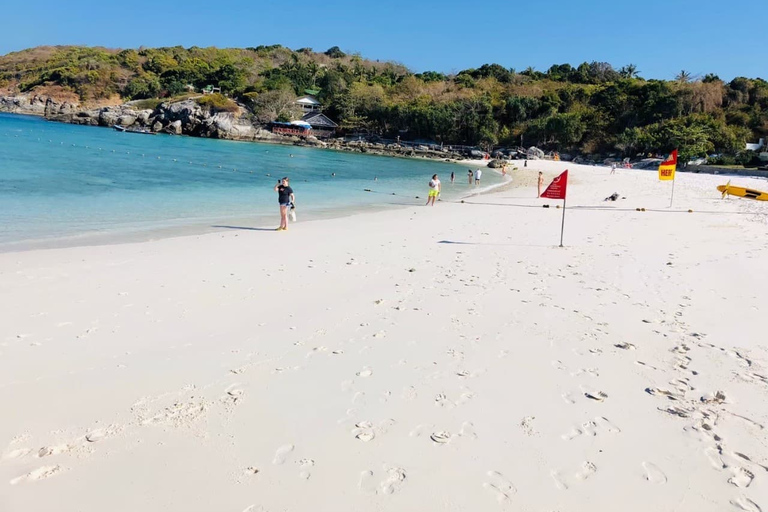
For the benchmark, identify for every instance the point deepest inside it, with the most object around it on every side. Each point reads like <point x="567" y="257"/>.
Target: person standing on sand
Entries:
<point x="470" y="175"/>
<point x="613" y="168"/>
<point x="285" y="199"/>
<point x="541" y="182"/>
<point x="478" y="175"/>
<point x="434" y="189"/>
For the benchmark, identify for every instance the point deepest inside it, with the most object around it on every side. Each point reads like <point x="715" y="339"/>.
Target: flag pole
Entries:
<point x="672" y="197"/>
<point x="562" y="226"/>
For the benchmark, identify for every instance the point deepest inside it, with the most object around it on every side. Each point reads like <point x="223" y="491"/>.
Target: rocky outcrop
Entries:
<point x="34" y="104"/>
<point x="377" y="148"/>
<point x="498" y="164"/>
<point x="189" y="118"/>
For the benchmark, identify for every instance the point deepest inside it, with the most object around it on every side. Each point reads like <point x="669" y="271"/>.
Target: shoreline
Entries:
<point x="199" y="227"/>
<point x="362" y="147"/>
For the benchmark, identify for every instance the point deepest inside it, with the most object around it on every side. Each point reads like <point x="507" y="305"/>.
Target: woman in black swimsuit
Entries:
<point x="285" y="199"/>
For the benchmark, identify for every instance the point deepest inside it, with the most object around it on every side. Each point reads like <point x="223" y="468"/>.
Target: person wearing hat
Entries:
<point x="285" y="199"/>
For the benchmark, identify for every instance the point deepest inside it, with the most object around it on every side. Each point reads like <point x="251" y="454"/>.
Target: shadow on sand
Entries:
<point x="457" y="242"/>
<point x="244" y="228"/>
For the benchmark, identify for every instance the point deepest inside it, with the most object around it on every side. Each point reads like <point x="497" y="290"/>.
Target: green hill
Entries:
<point x="592" y="108"/>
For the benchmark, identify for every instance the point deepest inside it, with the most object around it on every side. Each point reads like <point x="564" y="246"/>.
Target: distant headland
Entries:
<point x="273" y="93"/>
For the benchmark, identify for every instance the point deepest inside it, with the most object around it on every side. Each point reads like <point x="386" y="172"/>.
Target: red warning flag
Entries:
<point x="556" y="189"/>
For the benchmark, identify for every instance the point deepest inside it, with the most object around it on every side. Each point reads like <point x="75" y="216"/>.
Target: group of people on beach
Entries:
<point x="286" y="196"/>
<point x="435" y="187"/>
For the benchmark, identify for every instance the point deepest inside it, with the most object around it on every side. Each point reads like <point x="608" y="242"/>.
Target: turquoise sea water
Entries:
<point x="72" y="184"/>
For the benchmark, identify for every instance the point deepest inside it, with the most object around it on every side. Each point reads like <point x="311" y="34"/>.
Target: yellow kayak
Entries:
<point x="749" y="193"/>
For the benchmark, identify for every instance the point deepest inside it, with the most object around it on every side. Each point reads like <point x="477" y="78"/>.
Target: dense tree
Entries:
<point x="590" y="108"/>
<point x="335" y="52"/>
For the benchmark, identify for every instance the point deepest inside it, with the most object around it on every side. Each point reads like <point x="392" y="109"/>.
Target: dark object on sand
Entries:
<point x="612" y="197"/>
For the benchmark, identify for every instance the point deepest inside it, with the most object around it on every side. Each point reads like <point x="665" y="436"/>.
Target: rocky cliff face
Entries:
<point x="183" y="117"/>
<point x="189" y="118"/>
<point x="33" y="104"/>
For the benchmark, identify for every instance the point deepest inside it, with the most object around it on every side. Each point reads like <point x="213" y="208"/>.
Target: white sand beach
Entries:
<point x="449" y="358"/>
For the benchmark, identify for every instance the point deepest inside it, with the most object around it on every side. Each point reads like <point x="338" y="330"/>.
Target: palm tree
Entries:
<point x="629" y="71"/>
<point x="683" y="77"/>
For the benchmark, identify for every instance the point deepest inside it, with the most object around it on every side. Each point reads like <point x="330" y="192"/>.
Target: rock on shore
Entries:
<point x="187" y="117"/>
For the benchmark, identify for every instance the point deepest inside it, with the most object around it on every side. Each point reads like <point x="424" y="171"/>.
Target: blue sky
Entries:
<point x="660" y="37"/>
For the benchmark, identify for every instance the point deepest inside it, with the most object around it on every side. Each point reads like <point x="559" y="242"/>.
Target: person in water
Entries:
<point x="470" y="175"/>
<point x="285" y="199"/>
<point x="434" y="189"/>
<point x="453" y="176"/>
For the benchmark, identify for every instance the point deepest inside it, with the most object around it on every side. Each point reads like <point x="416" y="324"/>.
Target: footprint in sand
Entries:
<point x="664" y="393"/>
<point x="741" y="477"/>
<point x="38" y="474"/>
<point x="500" y="486"/>
<point x="393" y="479"/>
<point x="527" y="425"/>
<point x="305" y="464"/>
<point x="233" y="394"/>
<point x="653" y="474"/>
<point x="365" y="372"/>
<point x="420" y="430"/>
<point x="364" y="431"/>
<point x="587" y="469"/>
<point x="597" y="396"/>
<point x="99" y="434"/>
<point x="605" y="424"/>
<point x="558" y="365"/>
<point x="592" y="428"/>
<point x="46" y="451"/>
<point x="409" y="393"/>
<point x="17" y="454"/>
<point x="746" y="504"/>
<point x="714" y="454"/>
<point x="468" y="430"/>
<point x="282" y="454"/>
<point x="367" y="483"/>
<point x="559" y="481"/>
<point x="348" y="417"/>
<point x="441" y="437"/>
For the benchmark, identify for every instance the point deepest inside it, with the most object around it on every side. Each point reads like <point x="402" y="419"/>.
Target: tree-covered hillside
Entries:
<point x="592" y="108"/>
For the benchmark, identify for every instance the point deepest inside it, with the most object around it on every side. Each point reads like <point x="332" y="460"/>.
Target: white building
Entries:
<point x="309" y="104"/>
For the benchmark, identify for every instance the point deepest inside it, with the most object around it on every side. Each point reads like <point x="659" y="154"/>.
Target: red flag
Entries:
<point x="556" y="189"/>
